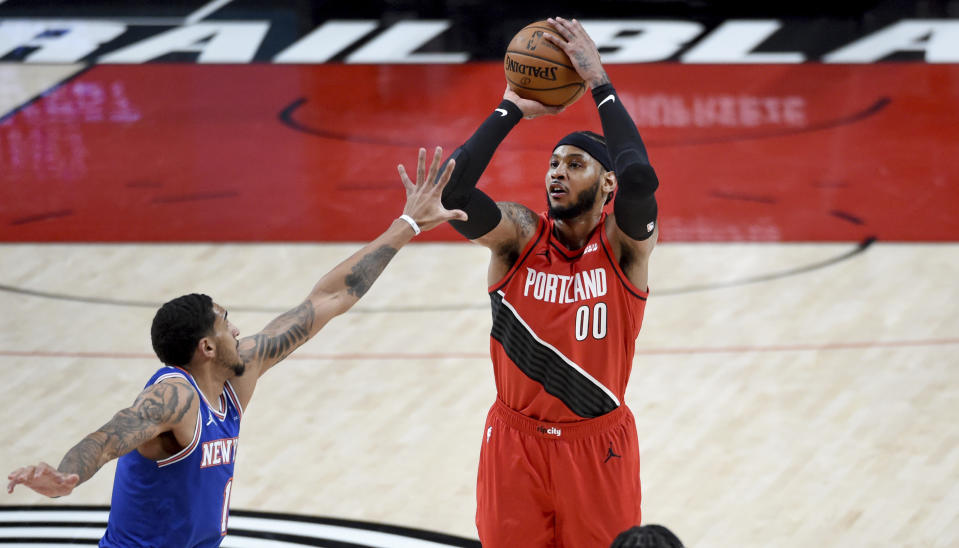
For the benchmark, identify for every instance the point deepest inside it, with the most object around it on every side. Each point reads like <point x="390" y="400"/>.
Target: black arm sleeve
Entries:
<point x="635" y="205"/>
<point x="471" y="160"/>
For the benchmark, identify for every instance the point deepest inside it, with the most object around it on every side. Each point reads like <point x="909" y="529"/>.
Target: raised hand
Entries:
<point x="580" y="48"/>
<point x="43" y="479"/>
<point x="423" y="198"/>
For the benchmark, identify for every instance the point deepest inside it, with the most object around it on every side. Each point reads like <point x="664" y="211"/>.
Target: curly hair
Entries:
<point x="179" y="325"/>
<point x="647" y="536"/>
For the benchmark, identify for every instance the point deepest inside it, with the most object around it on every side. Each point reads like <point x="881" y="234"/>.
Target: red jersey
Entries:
<point x="564" y="331"/>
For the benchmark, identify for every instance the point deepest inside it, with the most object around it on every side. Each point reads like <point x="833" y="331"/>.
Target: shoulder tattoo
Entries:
<point x="524" y="219"/>
<point x="164" y="402"/>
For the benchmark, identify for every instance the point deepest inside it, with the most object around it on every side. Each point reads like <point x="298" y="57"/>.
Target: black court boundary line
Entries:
<point x="285" y="117"/>
<point x="295" y="539"/>
<point x="860" y="248"/>
<point x="16" y="110"/>
<point x="407" y="532"/>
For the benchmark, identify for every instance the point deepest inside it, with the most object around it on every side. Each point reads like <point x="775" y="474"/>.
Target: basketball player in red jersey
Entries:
<point x="559" y="465"/>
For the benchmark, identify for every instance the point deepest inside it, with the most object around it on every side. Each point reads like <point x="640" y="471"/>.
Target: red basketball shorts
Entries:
<point x="558" y="485"/>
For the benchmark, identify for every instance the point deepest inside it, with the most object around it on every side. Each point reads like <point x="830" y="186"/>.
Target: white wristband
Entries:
<point x="413" y="225"/>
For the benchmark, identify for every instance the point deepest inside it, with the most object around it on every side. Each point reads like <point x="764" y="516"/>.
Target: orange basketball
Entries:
<point x="538" y="69"/>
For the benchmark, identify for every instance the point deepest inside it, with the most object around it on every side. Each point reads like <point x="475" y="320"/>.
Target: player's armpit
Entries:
<point x="159" y="408"/>
<point x="514" y="231"/>
<point x="632" y="254"/>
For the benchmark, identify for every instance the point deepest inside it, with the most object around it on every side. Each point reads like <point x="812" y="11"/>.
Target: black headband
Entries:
<point x="595" y="148"/>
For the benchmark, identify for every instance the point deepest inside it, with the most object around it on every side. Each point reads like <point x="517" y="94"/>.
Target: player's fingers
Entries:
<point x="560" y="25"/>
<point x="568" y="24"/>
<point x="404" y="178"/>
<point x="421" y="165"/>
<point x="435" y="164"/>
<point x="457" y="214"/>
<point x="581" y="31"/>
<point x="571" y="30"/>
<point x="556" y="37"/>
<point x="576" y="32"/>
<point x="22" y="474"/>
<point x="559" y="42"/>
<point x="445" y="176"/>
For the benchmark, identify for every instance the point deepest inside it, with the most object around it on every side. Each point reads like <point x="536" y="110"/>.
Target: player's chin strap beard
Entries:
<point x="585" y="201"/>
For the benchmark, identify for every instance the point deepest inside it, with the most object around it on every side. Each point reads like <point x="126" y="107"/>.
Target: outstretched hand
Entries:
<point x="530" y="109"/>
<point x="43" y="479"/>
<point x="580" y="48"/>
<point x="424" y="198"/>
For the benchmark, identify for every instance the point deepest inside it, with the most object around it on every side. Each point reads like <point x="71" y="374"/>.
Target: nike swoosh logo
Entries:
<point x="502" y="112"/>
<point x="608" y="98"/>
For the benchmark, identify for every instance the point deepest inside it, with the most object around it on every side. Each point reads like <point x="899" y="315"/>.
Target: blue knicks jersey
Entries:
<point x="182" y="501"/>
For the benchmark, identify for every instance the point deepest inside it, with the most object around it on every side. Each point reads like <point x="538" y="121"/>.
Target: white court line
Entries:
<point x="77" y="516"/>
<point x="68" y="533"/>
<point x="205" y="10"/>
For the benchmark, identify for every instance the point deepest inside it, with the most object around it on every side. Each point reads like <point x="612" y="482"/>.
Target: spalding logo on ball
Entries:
<point x="538" y="69"/>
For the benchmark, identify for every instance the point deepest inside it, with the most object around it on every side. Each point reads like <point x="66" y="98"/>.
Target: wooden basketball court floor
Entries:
<point x="782" y="398"/>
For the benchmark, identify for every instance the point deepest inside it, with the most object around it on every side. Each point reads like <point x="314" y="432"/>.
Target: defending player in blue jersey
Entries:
<point x="177" y="443"/>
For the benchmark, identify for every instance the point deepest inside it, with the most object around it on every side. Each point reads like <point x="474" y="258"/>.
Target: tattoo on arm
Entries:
<point x="524" y="219"/>
<point x="85" y="457"/>
<point x="367" y="270"/>
<point x="525" y="222"/>
<point x="284" y="334"/>
<point x="163" y="403"/>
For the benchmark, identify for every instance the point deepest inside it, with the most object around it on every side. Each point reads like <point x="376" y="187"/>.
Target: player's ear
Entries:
<point x="206" y="348"/>
<point x="610" y="182"/>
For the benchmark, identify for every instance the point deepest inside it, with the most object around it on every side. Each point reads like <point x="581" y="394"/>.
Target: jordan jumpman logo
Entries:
<point x="610" y="454"/>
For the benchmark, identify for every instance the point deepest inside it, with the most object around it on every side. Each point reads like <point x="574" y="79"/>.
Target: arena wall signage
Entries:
<point x="731" y="41"/>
